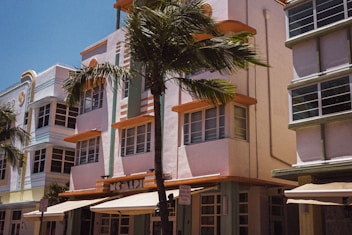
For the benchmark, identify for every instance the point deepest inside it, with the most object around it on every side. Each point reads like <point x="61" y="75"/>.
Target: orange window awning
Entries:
<point x="201" y="104"/>
<point x="133" y="121"/>
<point x="82" y="135"/>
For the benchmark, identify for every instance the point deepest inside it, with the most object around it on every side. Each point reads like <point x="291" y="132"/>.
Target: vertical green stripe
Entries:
<point x="113" y="120"/>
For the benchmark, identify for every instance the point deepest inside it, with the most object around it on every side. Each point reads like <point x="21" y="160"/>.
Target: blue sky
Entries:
<point x="36" y="34"/>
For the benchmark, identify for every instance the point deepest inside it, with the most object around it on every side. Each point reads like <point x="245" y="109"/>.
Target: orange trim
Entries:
<point x="197" y="104"/>
<point x="124" y="5"/>
<point x="132" y="121"/>
<point x="124" y="178"/>
<point x="201" y="104"/>
<point x="244" y="100"/>
<point x="214" y="179"/>
<point x="234" y="26"/>
<point x="94" y="47"/>
<point x="83" y="135"/>
<point x="226" y="27"/>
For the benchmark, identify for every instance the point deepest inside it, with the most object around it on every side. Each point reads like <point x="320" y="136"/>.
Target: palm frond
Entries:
<point x="80" y="79"/>
<point x="12" y="154"/>
<point x="215" y="90"/>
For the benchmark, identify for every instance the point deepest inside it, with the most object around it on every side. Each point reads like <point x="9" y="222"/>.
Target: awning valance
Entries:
<point x="142" y="203"/>
<point x="57" y="212"/>
<point x="336" y="193"/>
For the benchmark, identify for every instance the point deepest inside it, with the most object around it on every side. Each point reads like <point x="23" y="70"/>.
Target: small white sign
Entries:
<point x="43" y="205"/>
<point x="184" y="195"/>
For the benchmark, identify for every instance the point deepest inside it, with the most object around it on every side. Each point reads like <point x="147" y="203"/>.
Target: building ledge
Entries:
<point x="325" y="169"/>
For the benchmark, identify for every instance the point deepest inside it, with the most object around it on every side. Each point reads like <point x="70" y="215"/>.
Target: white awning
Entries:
<point x="336" y="193"/>
<point x="142" y="203"/>
<point x="57" y="212"/>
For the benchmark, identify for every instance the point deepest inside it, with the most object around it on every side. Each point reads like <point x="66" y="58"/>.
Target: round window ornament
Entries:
<point x="21" y="98"/>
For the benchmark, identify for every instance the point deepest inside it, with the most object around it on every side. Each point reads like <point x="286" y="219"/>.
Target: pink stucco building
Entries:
<point x="225" y="154"/>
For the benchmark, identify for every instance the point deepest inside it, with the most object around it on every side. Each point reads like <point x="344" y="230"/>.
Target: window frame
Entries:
<point x="92" y="99"/>
<point x="211" y="210"/>
<point x="66" y="161"/>
<point x="44" y="116"/>
<point x="319" y="93"/>
<point x="195" y="128"/>
<point x="320" y="14"/>
<point x="106" y="224"/>
<point x="39" y="159"/>
<point x="68" y="116"/>
<point x="238" y="131"/>
<point x="83" y="149"/>
<point x="131" y="139"/>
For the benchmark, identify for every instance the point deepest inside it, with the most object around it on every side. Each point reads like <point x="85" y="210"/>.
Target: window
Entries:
<point x="204" y="125"/>
<point x="44" y="115"/>
<point x="92" y="99"/>
<point x="16" y="222"/>
<point x="320" y="99"/>
<point x="66" y="116"/>
<point x="301" y="19"/>
<point x="26" y="118"/>
<point x="136" y="139"/>
<point x="210" y="214"/>
<point x="62" y="160"/>
<point x="277" y="214"/>
<point x="240" y="123"/>
<point x="125" y="89"/>
<point x="114" y="224"/>
<point x="88" y="151"/>
<point x="315" y="14"/>
<point x="2" y="222"/>
<point x="50" y="227"/>
<point x="243" y="213"/>
<point x="2" y="164"/>
<point x="39" y="160"/>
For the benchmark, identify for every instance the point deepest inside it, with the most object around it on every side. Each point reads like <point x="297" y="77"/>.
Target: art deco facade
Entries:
<point x="225" y="154"/>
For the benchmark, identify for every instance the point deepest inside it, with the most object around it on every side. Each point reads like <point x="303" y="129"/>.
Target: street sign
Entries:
<point x="184" y="197"/>
<point x="43" y="206"/>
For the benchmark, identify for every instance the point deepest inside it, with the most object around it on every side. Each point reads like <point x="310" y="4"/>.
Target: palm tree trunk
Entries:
<point x="164" y="213"/>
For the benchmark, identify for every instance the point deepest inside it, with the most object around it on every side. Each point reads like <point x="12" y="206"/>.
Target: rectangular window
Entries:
<point x="114" y="224"/>
<point x="125" y="89"/>
<point x="92" y="99"/>
<point x="66" y="116"/>
<point x="44" y="116"/>
<point x="16" y="222"/>
<point x="136" y="140"/>
<point x="2" y="165"/>
<point x="329" y="11"/>
<point x="243" y="213"/>
<point x="88" y="151"/>
<point x="321" y="99"/>
<point x="50" y="227"/>
<point x="305" y="102"/>
<point x="208" y="124"/>
<point x="26" y="118"/>
<point x="2" y="222"/>
<point x="300" y="19"/>
<point x="39" y="161"/>
<point x="62" y="160"/>
<point x="241" y="125"/>
<point x="210" y="214"/>
<point x="315" y="14"/>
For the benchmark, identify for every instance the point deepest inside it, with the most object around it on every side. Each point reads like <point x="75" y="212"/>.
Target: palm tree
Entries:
<point x="53" y="191"/>
<point x="8" y="136"/>
<point x="163" y="40"/>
